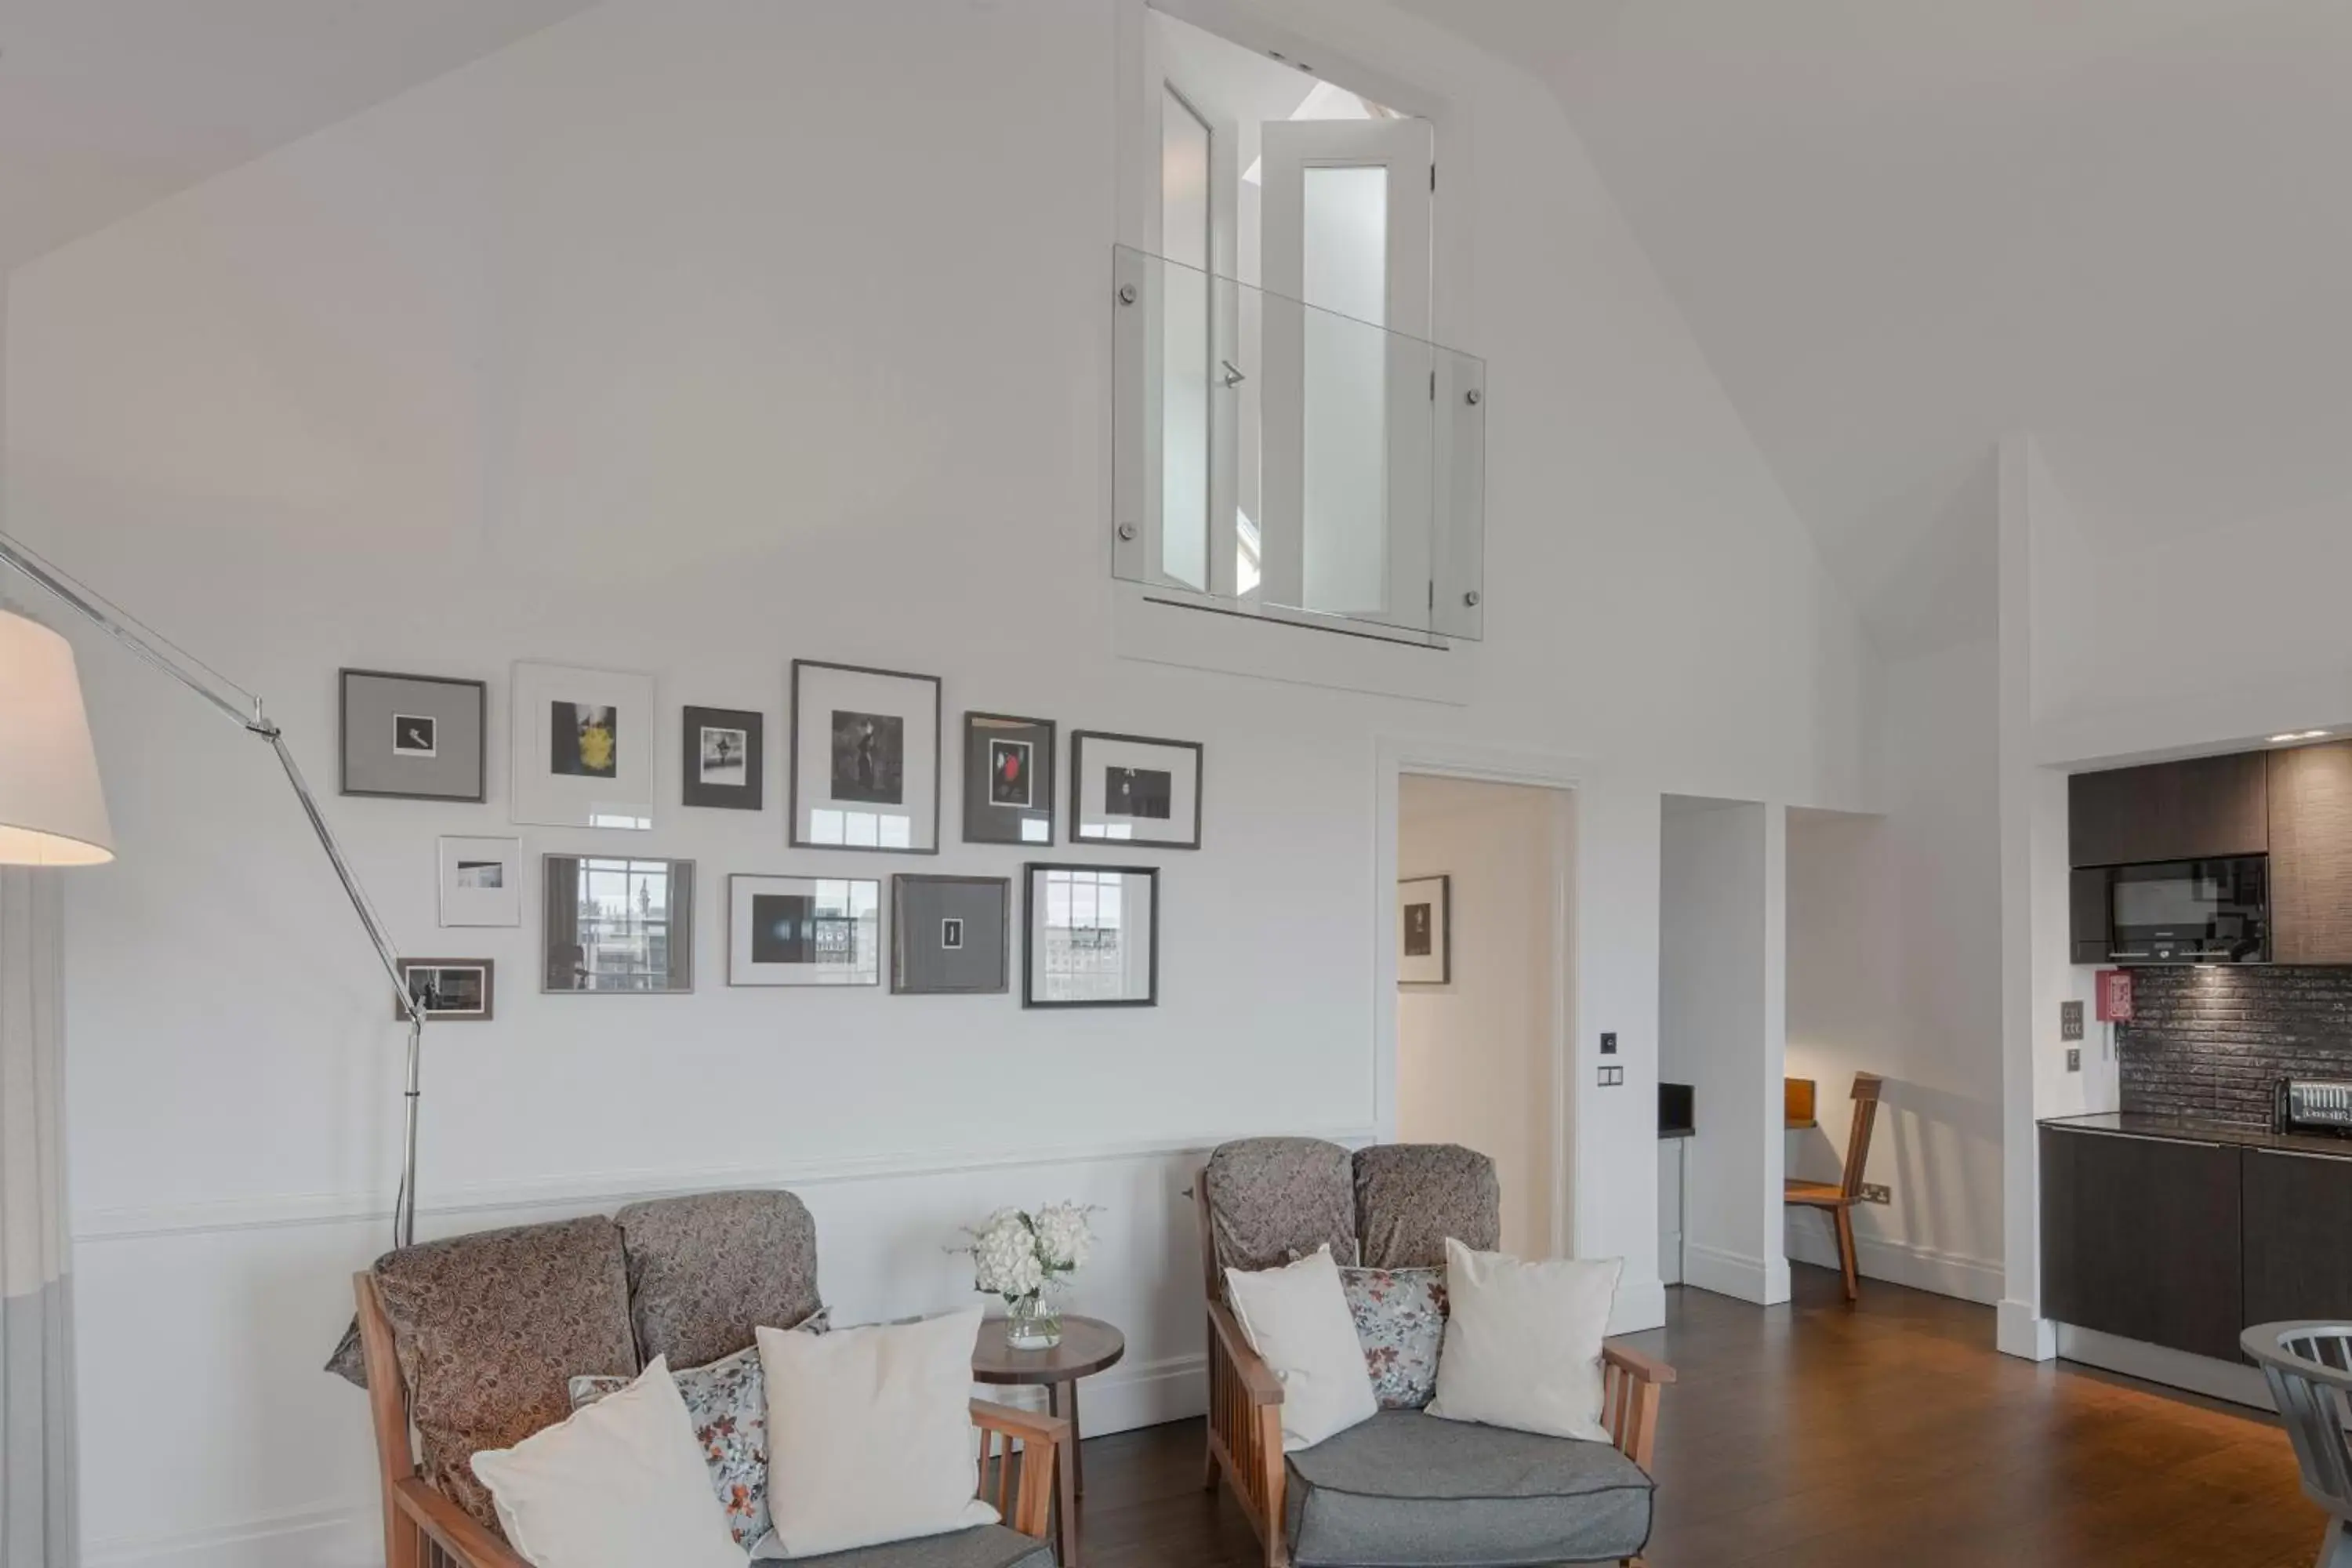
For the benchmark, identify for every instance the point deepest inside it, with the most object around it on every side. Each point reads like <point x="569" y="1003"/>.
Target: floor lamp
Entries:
<point x="53" y="810"/>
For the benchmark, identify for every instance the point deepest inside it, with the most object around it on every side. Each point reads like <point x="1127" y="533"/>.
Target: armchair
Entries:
<point x="467" y="1342"/>
<point x="1404" y="1488"/>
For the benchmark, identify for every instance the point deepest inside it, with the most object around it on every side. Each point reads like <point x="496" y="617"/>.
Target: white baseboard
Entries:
<point x="2178" y="1369"/>
<point x="1733" y="1274"/>
<point x="2020" y="1333"/>
<point x="1921" y="1267"/>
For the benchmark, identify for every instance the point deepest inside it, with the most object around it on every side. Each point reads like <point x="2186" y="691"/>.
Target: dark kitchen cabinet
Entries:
<point x="2298" y="1236"/>
<point x="2311" y="854"/>
<point x="2090" y="919"/>
<point x="2142" y="1237"/>
<point x="2201" y="809"/>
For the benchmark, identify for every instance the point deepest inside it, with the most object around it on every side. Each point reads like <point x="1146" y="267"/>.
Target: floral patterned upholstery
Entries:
<point x="1273" y="1199"/>
<point x="489" y="1328"/>
<point x="705" y="1271"/>
<point x="1408" y="1198"/>
<point x="1400" y="1323"/>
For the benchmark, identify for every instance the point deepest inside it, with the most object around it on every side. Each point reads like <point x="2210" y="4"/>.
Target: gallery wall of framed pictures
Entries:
<point x="864" y="753"/>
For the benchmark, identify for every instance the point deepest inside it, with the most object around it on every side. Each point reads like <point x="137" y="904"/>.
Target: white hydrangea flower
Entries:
<point x="1064" y="1237"/>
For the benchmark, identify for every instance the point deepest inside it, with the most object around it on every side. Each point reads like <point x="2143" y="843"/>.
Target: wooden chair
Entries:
<point x="1839" y="1198"/>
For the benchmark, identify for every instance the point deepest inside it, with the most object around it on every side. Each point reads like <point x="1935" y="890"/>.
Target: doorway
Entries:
<point x="1482" y="935"/>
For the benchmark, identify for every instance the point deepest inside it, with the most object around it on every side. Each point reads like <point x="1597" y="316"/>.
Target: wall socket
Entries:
<point x="2073" y="1058"/>
<point x="1877" y="1193"/>
<point x="2070" y="1020"/>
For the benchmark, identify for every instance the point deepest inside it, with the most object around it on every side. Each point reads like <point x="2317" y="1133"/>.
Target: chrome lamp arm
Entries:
<point x="245" y="710"/>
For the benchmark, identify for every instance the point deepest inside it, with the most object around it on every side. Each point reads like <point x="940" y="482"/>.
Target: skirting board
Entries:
<point x="2157" y="1363"/>
<point x="1732" y="1274"/>
<point x="1954" y="1274"/>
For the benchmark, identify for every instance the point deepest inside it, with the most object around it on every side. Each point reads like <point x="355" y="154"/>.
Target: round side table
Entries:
<point x="1088" y="1345"/>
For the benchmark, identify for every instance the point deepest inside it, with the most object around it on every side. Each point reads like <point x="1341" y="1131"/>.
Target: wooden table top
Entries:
<point x="1088" y="1345"/>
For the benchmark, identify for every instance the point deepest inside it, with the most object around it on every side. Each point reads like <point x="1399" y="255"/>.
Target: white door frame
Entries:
<point x="1393" y="757"/>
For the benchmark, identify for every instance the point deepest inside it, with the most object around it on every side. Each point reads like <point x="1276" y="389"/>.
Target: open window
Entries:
<point x="1290" y="440"/>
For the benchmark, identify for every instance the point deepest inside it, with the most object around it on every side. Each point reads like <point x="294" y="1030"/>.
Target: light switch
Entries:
<point x="1611" y="1077"/>
<point x="1608" y="1043"/>
<point x="2073" y="1058"/>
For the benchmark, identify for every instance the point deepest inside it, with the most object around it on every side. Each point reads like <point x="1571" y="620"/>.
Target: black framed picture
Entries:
<point x="865" y="770"/>
<point x="412" y="737"/>
<point x="725" y="754"/>
<point x="1008" y="779"/>
<point x="950" y="935"/>
<point x="1131" y="789"/>
<point x="1425" y="931"/>
<point x="1093" y="936"/>
<point x="452" y="990"/>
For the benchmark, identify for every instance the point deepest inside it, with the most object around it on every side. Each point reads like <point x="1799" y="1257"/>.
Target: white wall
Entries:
<point x="1721" y="1028"/>
<point x="692" y="338"/>
<point x="1474" y="1058"/>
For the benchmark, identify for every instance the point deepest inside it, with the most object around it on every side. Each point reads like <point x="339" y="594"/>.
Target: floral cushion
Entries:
<point x="728" y="1403"/>
<point x="1401" y="1321"/>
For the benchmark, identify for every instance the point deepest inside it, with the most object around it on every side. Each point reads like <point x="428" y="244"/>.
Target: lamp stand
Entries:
<point x="247" y="710"/>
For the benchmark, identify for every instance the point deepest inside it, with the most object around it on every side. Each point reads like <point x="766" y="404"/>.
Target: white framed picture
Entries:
<point x="803" y="931"/>
<point x="583" y="747"/>
<point x="1130" y="789"/>
<point x="864" y="759"/>
<point x="481" y="881"/>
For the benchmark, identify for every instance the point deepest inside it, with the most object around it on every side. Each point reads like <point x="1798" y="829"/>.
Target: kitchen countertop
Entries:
<point x="2142" y="1124"/>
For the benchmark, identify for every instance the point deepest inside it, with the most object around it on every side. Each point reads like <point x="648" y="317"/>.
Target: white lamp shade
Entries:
<point x="52" y="811"/>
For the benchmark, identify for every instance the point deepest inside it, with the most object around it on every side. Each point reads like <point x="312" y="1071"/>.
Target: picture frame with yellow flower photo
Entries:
<point x="582" y="747"/>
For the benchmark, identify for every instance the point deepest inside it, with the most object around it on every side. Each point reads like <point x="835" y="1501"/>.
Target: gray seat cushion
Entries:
<point x="989" y="1546"/>
<point x="1410" y="1491"/>
<point x="705" y="1271"/>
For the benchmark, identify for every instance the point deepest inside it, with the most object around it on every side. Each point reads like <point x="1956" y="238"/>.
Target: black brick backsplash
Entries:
<point x="2213" y="1042"/>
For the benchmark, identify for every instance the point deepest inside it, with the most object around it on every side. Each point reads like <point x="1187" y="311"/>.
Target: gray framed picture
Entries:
<point x="1093" y="937"/>
<point x="725" y="752"/>
<point x="1425" y="931"/>
<point x="412" y="737"/>
<point x="452" y="990"/>
<point x="950" y="935"/>
<point x="865" y="770"/>
<point x="1008" y="779"/>
<point x="617" y="924"/>
<point x="803" y="931"/>
<point x="1131" y="789"/>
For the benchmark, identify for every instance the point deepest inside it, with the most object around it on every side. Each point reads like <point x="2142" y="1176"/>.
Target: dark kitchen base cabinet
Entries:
<point x="2141" y="1237"/>
<point x="2298" y="1220"/>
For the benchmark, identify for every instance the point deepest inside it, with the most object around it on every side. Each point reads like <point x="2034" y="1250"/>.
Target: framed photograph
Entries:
<point x="864" y="759"/>
<point x="412" y="737"/>
<point x="1425" y="931"/>
<point x="583" y="747"/>
<point x="803" y="931"/>
<point x="1093" y="937"/>
<point x="1008" y="780"/>
<point x="725" y="754"/>
<point x="617" y="924"/>
<point x="481" y="881"/>
<point x="452" y="990"/>
<point x="950" y="935"/>
<point x="1128" y="789"/>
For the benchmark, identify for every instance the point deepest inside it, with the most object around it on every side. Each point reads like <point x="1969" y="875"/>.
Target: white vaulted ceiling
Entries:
<point x="1899" y="229"/>
<point x="108" y="105"/>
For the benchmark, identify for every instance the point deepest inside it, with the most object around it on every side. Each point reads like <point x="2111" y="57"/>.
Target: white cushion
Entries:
<point x="1523" y="1343"/>
<point x="1296" y="1319"/>
<point x="870" y="1435"/>
<point x="619" y="1485"/>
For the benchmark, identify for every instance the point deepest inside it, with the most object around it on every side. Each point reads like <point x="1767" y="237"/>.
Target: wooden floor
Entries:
<point x="1890" y="1434"/>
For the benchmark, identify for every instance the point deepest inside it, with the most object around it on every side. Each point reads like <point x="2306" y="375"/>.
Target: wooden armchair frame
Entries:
<point x="422" y="1529"/>
<point x="1245" y="1406"/>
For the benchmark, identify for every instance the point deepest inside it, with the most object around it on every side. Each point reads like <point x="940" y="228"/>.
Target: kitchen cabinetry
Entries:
<point x="2143" y="1237"/>
<point x="2311" y="854"/>
<point x="2297" y="1212"/>
<point x="2200" y="809"/>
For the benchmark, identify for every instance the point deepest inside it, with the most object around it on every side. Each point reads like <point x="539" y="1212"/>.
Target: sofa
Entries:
<point x="469" y="1344"/>
<point x="1402" y="1489"/>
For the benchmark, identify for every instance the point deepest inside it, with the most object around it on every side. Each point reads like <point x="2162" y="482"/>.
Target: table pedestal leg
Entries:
<point x="1062" y="1400"/>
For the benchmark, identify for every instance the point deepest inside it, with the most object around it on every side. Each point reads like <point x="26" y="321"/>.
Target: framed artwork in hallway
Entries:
<point x="1425" y="931"/>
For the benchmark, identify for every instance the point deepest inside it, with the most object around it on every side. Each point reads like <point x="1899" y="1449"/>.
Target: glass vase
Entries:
<point x="1031" y="1324"/>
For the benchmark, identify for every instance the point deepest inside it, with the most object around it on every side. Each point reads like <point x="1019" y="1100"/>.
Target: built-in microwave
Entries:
<point x="2174" y="912"/>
